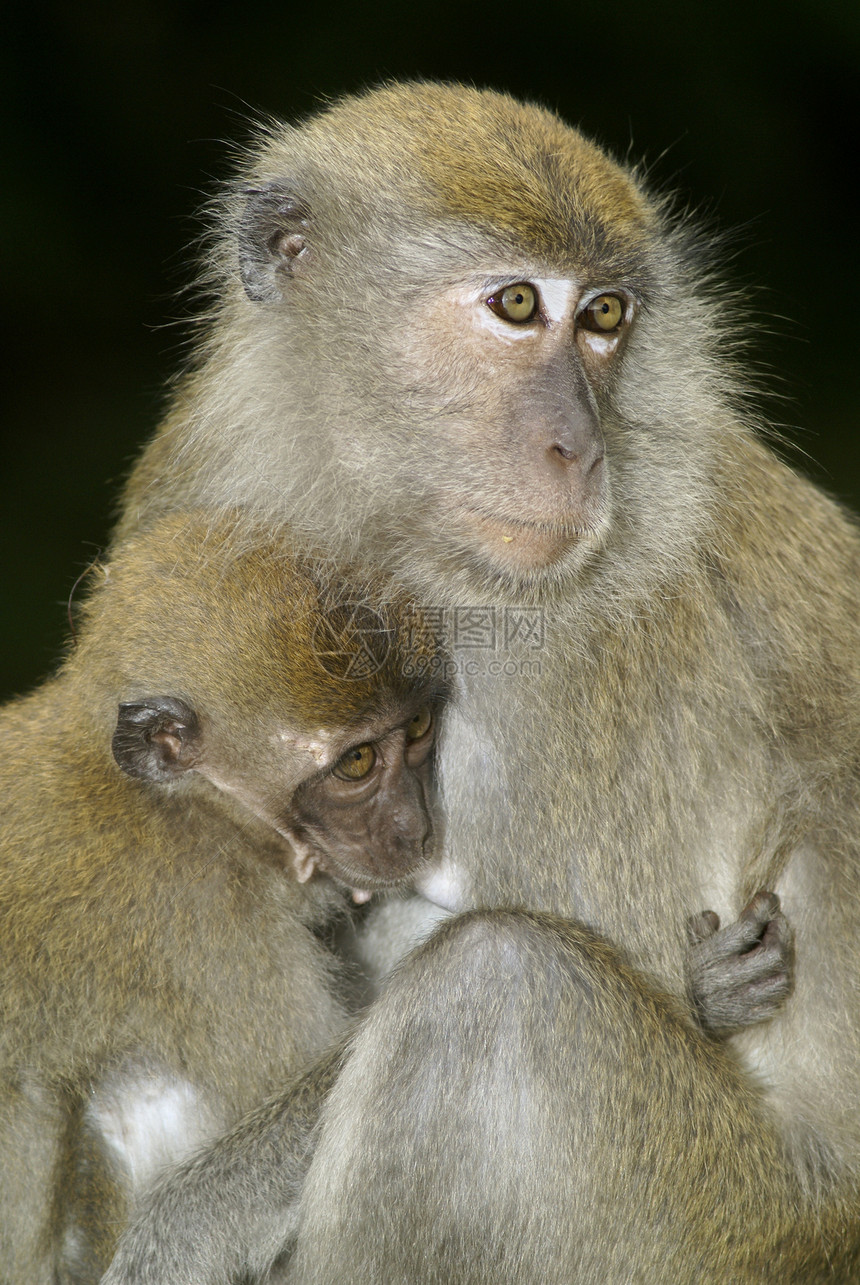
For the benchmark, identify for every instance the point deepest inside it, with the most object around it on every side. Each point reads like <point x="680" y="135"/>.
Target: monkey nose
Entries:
<point x="586" y="456"/>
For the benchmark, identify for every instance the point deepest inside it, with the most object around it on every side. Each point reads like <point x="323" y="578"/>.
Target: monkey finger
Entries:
<point x="778" y="936"/>
<point x="759" y="969"/>
<point x="701" y="927"/>
<point x="755" y="928"/>
<point x="763" y="1000"/>
<point x="762" y="907"/>
<point x="764" y="968"/>
<point x="728" y="946"/>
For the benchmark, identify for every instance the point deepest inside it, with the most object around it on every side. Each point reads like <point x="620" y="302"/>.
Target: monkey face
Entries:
<point x="367" y="821"/>
<point x="481" y="297"/>
<point x="520" y="368"/>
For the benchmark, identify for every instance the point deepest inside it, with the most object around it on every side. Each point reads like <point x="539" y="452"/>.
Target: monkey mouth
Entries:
<point x="521" y="544"/>
<point x="362" y="887"/>
<point x="360" y="877"/>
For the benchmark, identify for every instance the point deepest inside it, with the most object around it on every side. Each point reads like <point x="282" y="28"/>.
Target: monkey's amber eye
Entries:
<point x="517" y="303"/>
<point x="603" y="314"/>
<point x="419" y="724"/>
<point x="356" y="763"/>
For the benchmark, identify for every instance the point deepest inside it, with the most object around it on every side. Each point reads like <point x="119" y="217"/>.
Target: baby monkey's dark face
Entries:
<point x="366" y="821"/>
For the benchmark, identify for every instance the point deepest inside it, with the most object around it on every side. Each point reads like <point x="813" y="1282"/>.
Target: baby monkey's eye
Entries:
<point x="419" y="724"/>
<point x="517" y="303"/>
<point x="603" y="314"/>
<point x="355" y="764"/>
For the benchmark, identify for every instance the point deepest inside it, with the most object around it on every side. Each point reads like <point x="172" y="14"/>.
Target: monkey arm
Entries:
<point x="234" y="1207"/>
<point x="520" y="1105"/>
<point x="743" y="974"/>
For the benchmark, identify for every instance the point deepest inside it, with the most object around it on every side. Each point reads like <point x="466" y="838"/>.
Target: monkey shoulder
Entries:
<point x="782" y="570"/>
<point x="774" y="533"/>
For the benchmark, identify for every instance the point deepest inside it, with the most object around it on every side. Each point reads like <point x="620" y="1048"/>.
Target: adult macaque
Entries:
<point x="456" y="341"/>
<point x="232" y="724"/>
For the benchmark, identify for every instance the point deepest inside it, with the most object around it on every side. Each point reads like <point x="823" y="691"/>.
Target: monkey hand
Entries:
<point x="740" y="975"/>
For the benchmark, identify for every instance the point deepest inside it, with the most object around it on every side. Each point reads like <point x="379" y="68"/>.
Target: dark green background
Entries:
<point x="115" y="119"/>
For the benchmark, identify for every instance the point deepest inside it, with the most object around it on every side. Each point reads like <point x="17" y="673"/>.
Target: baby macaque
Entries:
<point x="235" y="747"/>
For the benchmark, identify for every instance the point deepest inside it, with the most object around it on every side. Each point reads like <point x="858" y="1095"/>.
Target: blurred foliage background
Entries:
<point x="118" y="120"/>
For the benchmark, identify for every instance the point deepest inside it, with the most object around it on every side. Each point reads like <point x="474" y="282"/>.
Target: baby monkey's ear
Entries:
<point x="156" y="739"/>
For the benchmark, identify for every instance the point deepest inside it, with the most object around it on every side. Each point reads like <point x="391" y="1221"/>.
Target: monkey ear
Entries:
<point x="272" y="240"/>
<point x="156" y="739"/>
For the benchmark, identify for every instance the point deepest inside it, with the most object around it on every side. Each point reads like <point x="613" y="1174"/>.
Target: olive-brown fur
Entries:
<point x="156" y="947"/>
